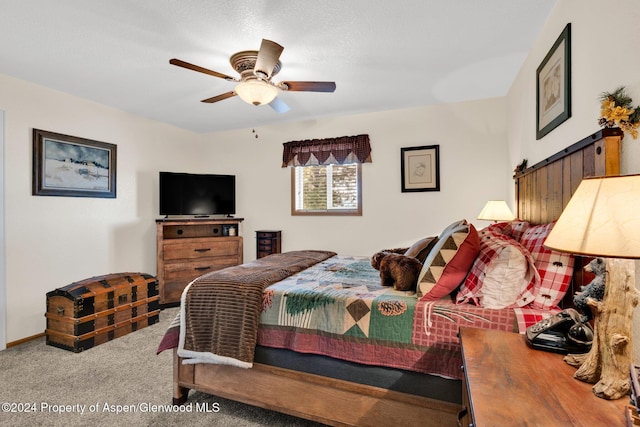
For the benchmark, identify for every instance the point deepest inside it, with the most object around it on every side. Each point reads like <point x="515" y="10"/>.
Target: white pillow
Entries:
<point x="499" y="265"/>
<point x="503" y="281"/>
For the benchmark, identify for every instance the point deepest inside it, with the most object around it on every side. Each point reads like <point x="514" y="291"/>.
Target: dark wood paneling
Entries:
<point x="556" y="201"/>
<point x="544" y="189"/>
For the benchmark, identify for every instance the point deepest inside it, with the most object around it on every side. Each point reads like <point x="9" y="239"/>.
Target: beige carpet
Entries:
<point x="119" y="383"/>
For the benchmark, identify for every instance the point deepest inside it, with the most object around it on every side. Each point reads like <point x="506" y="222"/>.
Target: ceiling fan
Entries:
<point x="256" y="68"/>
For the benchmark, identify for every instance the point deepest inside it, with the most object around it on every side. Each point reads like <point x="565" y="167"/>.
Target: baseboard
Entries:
<point x="24" y="340"/>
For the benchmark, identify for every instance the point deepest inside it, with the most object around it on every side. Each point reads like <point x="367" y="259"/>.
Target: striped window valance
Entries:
<point x="342" y="150"/>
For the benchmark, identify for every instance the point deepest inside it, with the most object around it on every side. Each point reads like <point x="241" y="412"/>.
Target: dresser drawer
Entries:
<point x="267" y="234"/>
<point x="200" y="248"/>
<point x="185" y="270"/>
<point x="178" y="274"/>
<point x="172" y="290"/>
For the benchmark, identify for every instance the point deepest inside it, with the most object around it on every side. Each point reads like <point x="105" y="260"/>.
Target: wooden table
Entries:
<point x="508" y="383"/>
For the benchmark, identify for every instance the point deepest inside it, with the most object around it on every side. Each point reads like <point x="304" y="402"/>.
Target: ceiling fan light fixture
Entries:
<point x="256" y="69"/>
<point x="256" y="92"/>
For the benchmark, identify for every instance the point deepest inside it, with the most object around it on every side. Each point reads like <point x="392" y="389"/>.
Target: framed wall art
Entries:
<point x="420" y="168"/>
<point x="66" y="165"/>
<point x="553" y="85"/>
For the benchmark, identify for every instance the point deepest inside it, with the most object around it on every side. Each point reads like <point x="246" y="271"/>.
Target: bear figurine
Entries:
<point x="594" y="290"/>
<point x="397" y="270"/>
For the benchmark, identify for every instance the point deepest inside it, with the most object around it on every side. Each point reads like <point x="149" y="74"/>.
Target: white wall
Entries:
<point x="53" y="241"/>
<point x="603" y="57"/>
<point x="473" y="160"/>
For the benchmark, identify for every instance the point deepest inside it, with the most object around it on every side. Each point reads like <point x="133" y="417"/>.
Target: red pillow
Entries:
<point x="555" y="268"/>
<point x="448" y="263"/>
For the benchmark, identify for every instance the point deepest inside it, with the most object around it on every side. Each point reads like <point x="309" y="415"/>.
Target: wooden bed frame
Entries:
<point x="542" y="191"/>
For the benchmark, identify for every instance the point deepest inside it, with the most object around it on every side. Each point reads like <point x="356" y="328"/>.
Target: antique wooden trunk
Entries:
<point x="96" y="310"/>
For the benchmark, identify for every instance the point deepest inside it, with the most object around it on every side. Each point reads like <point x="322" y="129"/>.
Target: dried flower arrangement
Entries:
<point x="616" y="109"/>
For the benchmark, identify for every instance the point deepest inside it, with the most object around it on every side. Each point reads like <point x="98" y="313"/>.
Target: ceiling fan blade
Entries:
<point x="199" y="69"/>
<point x="279" y="105"/>
<point x="309" y="86"/>
<point x="267" y="59"/>
<point x="219" y="97"/>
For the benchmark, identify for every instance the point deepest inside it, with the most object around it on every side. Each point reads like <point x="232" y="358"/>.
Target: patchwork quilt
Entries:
<point x="338" y="308"/>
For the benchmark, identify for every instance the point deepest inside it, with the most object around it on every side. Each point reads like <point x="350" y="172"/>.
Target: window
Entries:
<point x="326" y="174"/>
<point x="326" y="189"/>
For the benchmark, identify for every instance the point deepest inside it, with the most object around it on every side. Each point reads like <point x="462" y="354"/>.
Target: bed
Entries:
<point x="358" y="353"/>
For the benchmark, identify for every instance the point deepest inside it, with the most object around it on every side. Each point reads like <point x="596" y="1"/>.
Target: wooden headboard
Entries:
<point x="544" y="189"/>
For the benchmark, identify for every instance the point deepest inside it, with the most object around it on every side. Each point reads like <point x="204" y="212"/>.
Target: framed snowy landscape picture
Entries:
<point x="66" y="165"/>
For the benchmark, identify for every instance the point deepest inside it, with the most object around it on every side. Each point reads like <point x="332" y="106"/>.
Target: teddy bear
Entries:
<point x="377" y="257"/>
<point x="594" y="290"/>
<point x="397" y="270"/>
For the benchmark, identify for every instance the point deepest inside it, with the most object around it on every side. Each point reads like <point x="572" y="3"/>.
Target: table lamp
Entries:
<point x="496" y="210"/>
<point x="602" y="219"/>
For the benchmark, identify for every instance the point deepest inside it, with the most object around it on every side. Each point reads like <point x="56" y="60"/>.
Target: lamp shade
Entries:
<point x="496" y="210"/>
<point x="602" y="218"/>
<point x="256" y="92"/>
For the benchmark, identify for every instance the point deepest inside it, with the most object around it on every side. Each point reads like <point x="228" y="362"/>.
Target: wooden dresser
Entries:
<point x="508" y="383"/>
<point x="188" y="248"/>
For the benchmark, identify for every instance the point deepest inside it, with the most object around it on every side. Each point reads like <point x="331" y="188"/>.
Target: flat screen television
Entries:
<point x="198" y="195"/>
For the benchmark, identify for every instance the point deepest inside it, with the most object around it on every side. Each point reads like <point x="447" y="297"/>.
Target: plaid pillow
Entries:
<point x="514" y="229"/>
<point x="555" y="268"/>
<point x="501" y="263"/>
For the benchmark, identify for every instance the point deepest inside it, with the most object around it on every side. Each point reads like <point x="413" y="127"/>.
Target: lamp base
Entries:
<point x="607" y="363"/>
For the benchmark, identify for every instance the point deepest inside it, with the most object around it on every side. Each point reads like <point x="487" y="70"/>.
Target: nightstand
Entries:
<point x="268" y="242"/>
<point x="508" y="383"/>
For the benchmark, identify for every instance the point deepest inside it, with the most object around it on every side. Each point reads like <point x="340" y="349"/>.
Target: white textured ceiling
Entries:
<point x="382" y="54"/>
